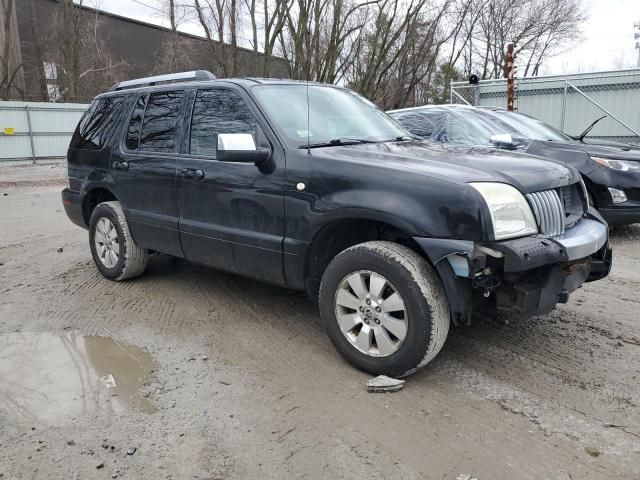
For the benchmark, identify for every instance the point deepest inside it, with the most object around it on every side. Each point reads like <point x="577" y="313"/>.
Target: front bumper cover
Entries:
<point x="525" y="276"/>
<point x="581" y="241"/>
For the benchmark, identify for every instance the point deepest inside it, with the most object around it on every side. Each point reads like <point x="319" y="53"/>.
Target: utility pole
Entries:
<point x="509" y="71"/>
<point x="636" y="35"/>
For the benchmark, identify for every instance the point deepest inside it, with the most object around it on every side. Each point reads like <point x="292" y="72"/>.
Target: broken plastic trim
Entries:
<point x="464" y="256"/>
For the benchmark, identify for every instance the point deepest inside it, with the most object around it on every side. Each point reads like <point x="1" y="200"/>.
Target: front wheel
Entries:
<point x="384" y="308"/>
<point x="115" y="253"/>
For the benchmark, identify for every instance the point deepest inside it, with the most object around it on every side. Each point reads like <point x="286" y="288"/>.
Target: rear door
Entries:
<point x="144" y="170"/>
<point x="231" y="214"/>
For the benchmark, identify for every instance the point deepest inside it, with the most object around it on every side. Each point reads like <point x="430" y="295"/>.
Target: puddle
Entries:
<point x="53" y="378"/>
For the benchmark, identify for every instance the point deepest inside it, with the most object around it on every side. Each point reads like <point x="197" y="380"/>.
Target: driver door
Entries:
<point x="231" y="215"/>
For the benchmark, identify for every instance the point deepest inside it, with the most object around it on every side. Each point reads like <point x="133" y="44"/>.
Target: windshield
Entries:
<point x="463" y="126"/>
<point x="333" y="114"/>
<point x="471" y="127"/>
<point x="530" y="127"/>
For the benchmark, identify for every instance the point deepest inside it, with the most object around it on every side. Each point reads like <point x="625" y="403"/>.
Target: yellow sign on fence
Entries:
<point x="9" y="131"/>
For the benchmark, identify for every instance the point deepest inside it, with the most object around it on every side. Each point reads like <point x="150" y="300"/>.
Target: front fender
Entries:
<point x="456" y="213"/>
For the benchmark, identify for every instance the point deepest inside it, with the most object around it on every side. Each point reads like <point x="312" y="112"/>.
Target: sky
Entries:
<point x="608" y="42"/>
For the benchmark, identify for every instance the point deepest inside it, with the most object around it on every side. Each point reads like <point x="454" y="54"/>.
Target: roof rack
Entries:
<point x="193" y="76"/>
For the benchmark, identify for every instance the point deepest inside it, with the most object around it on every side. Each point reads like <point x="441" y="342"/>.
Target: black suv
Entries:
<point x="311" y="187"/>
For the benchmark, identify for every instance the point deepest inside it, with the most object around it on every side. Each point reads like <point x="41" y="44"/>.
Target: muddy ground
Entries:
<point x="209" y="375"/>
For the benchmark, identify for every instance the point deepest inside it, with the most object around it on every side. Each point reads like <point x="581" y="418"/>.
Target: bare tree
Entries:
<point x="274" y="19"/>
<point x="391" y="51"/>
<point x="10" y="66"/>
<point x="83" y="62"/>
<point x="177" y="50"/>
<point x="219" y="21"/>
<point x="538" y="28"/>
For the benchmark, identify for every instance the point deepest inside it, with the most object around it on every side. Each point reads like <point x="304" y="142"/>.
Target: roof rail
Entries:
<point x="170" y="78"/>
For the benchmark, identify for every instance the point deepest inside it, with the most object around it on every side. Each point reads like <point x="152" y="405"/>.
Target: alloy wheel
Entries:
<point x="371" y="313"/>
<point x="106" y="242"/>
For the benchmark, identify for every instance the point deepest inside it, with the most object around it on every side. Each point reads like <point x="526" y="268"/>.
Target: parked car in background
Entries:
<point x="611" y="174"/>
<point x="393" y="236"/>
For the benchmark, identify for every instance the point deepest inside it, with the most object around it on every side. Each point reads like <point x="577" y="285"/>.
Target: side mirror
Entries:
<point x="503" y="140"/>
<point x="240" y="147"/>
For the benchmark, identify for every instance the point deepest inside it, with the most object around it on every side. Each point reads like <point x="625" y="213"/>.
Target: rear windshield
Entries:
<point x="97" y="124"/>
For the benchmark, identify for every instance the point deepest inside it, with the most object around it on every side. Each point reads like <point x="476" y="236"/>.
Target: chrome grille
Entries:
<point x="549" y="211"/>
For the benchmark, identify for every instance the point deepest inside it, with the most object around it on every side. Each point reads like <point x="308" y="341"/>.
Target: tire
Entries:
<point x="425" y="316"/>
<point x="131" y="259"/>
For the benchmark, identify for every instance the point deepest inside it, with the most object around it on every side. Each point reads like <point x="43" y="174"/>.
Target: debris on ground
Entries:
<point x="100" y="465"/>
<point x="382" y="384"/>
<point x="60" y="249"/>
<point x="594" y="452"/>
<point x="131" y="451"/>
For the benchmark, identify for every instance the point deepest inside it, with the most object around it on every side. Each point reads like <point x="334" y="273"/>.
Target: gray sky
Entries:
<point x="608" y="42"/>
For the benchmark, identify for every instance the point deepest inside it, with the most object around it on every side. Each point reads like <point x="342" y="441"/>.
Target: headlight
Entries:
<point x="510" y="213"/>
<point x="622" y="165"/>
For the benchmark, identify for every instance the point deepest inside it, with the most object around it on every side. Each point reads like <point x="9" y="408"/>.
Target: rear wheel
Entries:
<point x="114" y="251"/>
<point x="384" y="308"/>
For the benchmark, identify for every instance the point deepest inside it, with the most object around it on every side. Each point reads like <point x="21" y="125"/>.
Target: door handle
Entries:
<point x="193" y="173"/>
<point x="121" y="165"/>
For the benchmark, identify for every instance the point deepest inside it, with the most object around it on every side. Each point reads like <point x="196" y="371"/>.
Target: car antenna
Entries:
<point x="308" y="116"/>
<point x="588" y="129"/>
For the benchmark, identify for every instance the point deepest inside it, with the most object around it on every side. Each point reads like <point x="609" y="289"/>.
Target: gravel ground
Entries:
<point x="191" y="373"/>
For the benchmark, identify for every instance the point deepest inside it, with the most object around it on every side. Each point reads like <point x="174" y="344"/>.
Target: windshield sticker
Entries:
<point x="304" y="133"/>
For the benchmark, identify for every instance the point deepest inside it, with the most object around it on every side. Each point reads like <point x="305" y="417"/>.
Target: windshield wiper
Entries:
<point x="588" y="129"/>
<point x="335" y="142"/>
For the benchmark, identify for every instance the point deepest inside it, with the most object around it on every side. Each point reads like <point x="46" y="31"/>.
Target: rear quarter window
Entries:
<point x="97" y="124"/>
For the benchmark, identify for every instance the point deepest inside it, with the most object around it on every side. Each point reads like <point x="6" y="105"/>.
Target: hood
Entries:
<point x="625" y="147"/>
<point x="457" y="164"/>
<point x="598" y="150"/>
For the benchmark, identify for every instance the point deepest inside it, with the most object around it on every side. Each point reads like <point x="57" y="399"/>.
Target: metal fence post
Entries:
<point x="564" y="105"/>
<point x="33" y="149"/>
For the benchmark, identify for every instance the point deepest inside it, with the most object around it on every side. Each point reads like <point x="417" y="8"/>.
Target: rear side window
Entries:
<point x="97" y="124"/>
<point x="218" y="111"/>
<point x="161" y="116"/>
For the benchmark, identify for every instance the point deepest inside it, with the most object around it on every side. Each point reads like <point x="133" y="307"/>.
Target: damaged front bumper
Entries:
<point x="523" y="277"/>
